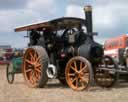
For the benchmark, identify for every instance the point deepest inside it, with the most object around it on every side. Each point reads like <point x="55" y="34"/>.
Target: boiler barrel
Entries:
<point x="92" y="51"/>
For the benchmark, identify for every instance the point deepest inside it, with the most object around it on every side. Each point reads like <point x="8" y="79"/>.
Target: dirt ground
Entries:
<point x="55" y="92"/>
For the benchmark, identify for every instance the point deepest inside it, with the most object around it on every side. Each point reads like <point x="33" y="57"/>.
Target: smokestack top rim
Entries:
<point x="88" y="8"/>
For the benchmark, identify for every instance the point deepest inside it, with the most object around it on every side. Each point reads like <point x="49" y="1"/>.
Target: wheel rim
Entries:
<point x="77" y="74"/>
<point x="10" y="74"/>
<point x="103" y="77"/>
<point x="32" y="67"/>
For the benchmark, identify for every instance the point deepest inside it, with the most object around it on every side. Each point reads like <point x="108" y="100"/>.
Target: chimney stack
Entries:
<point x="88" y="16"/>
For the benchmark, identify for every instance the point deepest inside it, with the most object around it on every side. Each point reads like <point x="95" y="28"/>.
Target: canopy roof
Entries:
<point x="56" y="24"/>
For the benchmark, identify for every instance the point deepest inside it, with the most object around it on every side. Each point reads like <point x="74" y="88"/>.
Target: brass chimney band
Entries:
<point x="87" y="8"/>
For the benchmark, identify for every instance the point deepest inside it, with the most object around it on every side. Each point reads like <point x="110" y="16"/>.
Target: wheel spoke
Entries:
<point x="35" y="56"/>
<point x="32" y="58"/>
<point x="73" y="80"/>
<point x="71" y="74"/>
<point x="73" y="68"/>
<point x="28" y="70"/>
<point x="38" y="59"/>
<point x="76" y="82"/>
<point x="84" y="79"/>
<point x="32" y="73"/>
<point x="37" y="75"/>
<point x="31" y="79"/>
<point x="83" y="69"/>
<point x="80" y="65"/>
<point x="75" y="65"/>
<point x="38" y="70"/>
<point x="38" y="65"/>
<point x="28" y="61"/>
<point x="33" y="76"/>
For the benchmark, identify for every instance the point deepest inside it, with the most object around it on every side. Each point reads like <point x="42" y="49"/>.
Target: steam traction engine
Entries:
<point x="64" y="48"/>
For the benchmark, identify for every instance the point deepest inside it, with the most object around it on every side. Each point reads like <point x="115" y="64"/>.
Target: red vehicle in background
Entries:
<point x="117" y="48"/>
<point x="6" y="53"/>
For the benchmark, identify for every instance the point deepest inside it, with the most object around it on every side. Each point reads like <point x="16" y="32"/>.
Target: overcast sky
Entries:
<point x="109" y="16"/>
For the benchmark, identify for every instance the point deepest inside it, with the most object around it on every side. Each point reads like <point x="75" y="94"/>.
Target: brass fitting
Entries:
<point x="88" y="8"/>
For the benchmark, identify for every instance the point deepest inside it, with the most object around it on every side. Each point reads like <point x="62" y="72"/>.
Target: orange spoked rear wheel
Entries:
<point x="33" y="67"/>
<point x="78" y="73"/>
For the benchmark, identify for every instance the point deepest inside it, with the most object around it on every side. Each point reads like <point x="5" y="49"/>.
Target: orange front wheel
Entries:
<point x="78" y="73"/>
